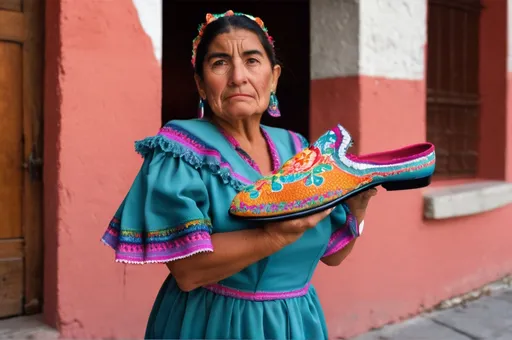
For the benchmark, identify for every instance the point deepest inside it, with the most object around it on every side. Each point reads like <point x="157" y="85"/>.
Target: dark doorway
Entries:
<point x="288" y="23"/>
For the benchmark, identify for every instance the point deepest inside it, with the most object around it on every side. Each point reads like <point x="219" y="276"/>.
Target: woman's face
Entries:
<point x="238" y="76"/>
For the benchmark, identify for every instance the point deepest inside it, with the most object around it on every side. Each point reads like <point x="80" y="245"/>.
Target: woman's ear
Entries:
<point x="276" y="73"/>
<point x="200" y="86"/>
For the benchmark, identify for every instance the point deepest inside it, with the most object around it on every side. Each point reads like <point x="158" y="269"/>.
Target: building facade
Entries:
<point x="393" y="72"/>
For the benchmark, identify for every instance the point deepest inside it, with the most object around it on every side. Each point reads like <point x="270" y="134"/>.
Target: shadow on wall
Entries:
<point x="288" y="23"/>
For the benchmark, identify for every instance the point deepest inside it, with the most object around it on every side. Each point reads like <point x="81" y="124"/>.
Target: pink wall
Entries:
<point x="401" y="266"/>
<point x="404" y="264"/>
<point x="103" y="91"/>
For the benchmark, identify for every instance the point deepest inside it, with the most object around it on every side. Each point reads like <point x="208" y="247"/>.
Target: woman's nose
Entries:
<point x="238" y="73"/>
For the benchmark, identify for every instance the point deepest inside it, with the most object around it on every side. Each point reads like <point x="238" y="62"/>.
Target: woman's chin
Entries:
<point x="243" y="114"/>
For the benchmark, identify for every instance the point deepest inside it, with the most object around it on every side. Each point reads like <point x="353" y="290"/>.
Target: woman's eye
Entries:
<point x="220" y="63"/>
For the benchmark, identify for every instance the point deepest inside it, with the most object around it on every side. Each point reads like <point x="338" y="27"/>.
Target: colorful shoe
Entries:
<point x="322" y="175"/>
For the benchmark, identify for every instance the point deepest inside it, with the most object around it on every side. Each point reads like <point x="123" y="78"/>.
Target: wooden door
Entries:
<point x="21" y="56"/>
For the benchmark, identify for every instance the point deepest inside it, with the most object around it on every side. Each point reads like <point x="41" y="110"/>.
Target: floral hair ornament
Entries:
<point x="212" y="17"/>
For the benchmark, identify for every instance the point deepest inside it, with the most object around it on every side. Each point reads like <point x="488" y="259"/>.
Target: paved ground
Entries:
<point x="26" y="327"/>
<point x="489" y="317"/>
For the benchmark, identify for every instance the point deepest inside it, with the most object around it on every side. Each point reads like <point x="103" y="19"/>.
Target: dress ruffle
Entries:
<point x="158" y="246"/>
<point x="180" y="143"/>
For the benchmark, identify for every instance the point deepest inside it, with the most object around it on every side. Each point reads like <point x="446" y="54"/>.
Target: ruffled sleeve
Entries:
<point x="164" y="216"/>
<point x="344" y="229"/>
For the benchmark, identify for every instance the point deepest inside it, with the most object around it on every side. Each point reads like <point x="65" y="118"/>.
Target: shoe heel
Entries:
<point x="408" y="184"/>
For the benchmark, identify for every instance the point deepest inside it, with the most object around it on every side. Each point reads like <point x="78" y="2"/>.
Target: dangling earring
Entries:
<point x="273" y="106"/>
<point x="200" y="109"/>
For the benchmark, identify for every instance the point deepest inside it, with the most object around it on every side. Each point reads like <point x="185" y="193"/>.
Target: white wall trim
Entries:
<point x="466" y="199"/>
<point x="393" y="38"/>
<point x="150" y="15"/>
<point x="377" y="38"/>
<point x="334" y="36"/>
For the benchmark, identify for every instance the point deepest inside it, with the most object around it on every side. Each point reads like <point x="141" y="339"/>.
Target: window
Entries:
<point x="453" y="98"/>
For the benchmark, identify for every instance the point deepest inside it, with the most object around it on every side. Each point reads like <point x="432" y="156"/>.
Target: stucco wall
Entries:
<point x="103" y="91"/>
<point x="354" y="37"/>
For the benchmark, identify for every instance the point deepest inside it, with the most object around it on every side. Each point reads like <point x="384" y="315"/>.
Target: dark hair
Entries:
<point x="224" y="25"/>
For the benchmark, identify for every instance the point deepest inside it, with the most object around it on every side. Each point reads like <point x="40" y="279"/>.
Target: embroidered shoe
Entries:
<point x="324" y="174"/>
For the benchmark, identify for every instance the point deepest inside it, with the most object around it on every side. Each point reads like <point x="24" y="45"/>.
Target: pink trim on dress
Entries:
<point x="276" y="163"/>
<point x="339" y="239"/>
<point x="131" y="247"/>
<point x="236" y="146"/>
<point x="255" y="296"/>
<point x="342" y="236"/>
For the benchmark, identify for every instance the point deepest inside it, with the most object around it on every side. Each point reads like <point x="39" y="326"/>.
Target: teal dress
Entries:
<point x="180" y="197"/>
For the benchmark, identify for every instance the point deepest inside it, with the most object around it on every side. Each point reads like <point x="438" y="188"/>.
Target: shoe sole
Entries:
<point x="389" y="186"/>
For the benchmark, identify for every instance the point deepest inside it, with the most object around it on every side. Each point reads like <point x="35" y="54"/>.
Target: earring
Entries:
<point x="273" y="106"/>
<point x="200" y="109"/>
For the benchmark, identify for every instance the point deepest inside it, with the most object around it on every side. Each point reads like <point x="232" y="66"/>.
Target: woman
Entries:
<point x="230" y="279"/>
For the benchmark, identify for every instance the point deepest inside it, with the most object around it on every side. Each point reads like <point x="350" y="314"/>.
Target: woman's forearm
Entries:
<point x="233" y="251"/>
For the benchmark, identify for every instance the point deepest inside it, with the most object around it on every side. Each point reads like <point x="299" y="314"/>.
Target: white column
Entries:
<point x="150" y="15"/>
<point x="379" y="38"/>
<point x="334" y="38"/>
<point x="393" y="38"/>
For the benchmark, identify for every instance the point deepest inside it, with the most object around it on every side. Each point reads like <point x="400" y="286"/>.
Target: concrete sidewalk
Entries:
<point x="489" y="317"/>
<point x="26" y="327"/>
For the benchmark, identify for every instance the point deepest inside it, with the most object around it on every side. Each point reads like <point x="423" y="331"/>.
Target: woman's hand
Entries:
<point x="287" y="232"/>
<point x="359" y="203"/>
<point x="235" y="250"/>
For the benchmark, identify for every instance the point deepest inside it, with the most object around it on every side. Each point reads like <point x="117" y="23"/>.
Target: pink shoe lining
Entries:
<point x="401" y="155"/>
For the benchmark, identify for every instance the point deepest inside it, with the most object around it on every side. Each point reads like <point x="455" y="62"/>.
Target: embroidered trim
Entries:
<point x="344" y="141"/>
<point x="312" y="201"/>
<point x="276" y="163"/>
<point x="342" y="236"/>
<point x="256" y="296"/>
<point x="180" y="143"/>
<point x="236" y="146"/>
<point x="158" y="246"/>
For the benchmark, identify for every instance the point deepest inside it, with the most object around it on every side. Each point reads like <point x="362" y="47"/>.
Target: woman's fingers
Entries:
<point x="313" y="220"/>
